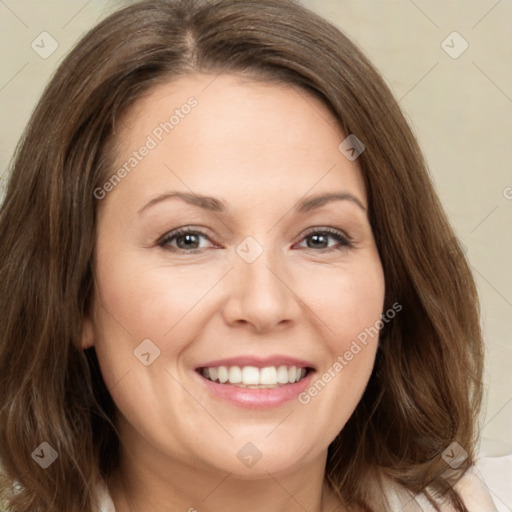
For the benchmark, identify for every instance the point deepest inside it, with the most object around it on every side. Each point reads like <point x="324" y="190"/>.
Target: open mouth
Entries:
<point x="254" y="377"/>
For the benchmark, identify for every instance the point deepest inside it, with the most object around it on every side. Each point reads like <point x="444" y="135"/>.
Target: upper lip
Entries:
<point x="258" y="362"/>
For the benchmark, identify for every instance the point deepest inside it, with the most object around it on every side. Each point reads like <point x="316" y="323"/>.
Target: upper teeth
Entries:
<point x="251" y="375"/>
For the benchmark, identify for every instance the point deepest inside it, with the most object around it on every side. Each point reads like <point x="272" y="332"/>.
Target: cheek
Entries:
<point x="138" y="302"/>
<point x="348" y="301"/>
<point x="350" y="309"/>
<point x="148" y="301"/>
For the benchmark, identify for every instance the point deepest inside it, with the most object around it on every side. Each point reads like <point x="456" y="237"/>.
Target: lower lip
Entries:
<point x="252" y="398"/>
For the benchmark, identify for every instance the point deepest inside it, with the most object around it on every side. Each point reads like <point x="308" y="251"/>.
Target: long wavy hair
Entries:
<point x="425" y="389"/>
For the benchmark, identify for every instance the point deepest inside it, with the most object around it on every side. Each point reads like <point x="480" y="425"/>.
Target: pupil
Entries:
<point x="187" y="238"/>
<point x="316" y="237"/>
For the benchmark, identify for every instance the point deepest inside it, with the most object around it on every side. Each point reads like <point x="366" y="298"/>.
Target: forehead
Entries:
<point x="235" y="135"/>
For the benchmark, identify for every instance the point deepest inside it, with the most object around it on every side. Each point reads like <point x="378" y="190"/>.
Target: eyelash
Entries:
<point x="344" y="241"/>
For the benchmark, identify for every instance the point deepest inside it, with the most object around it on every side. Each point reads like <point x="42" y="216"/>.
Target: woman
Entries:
<point x="173" y="338"/>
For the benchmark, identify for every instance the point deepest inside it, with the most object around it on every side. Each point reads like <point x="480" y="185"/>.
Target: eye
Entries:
<point x="320" y="237"/>
<point x="189" y="240"/>
<point x="186" y="240"/>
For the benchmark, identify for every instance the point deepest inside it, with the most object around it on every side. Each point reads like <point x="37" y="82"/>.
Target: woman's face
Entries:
<point x="266" y="279"/>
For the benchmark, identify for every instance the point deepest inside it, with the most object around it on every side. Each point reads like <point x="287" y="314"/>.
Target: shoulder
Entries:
<point x="104" y="501"/>
<point x="471" y="488"/>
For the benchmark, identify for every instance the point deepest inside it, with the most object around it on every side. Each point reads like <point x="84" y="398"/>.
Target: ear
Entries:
<point x="87" y="333"/>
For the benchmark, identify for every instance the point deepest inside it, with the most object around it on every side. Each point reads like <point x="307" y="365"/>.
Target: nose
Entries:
<point x="261" y="293"/>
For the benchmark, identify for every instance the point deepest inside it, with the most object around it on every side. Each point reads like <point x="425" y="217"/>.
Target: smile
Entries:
<point x="254" y="377"/>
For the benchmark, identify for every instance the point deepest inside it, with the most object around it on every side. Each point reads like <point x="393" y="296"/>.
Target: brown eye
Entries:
<point x="186" y="240"/>
<point x="319" y="239"/>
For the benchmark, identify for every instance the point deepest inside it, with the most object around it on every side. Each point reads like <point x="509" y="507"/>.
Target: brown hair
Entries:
<point x="425" y="389"/>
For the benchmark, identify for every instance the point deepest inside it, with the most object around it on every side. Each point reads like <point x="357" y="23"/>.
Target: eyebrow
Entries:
<point x="218" y="206"/>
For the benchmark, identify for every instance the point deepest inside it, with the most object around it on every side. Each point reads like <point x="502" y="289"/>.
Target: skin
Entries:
<point x="260" y="148"/>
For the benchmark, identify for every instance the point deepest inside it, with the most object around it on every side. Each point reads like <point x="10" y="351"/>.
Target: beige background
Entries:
<point x="460" y="109"/>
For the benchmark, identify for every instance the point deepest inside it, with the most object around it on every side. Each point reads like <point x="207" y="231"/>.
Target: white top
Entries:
<point x="471" y="487"/>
